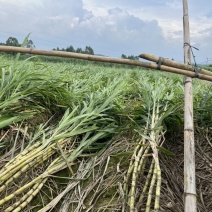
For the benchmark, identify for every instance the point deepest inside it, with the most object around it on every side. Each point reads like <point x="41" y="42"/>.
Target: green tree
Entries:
<point x="11" y="41"/>
<point x="30" y="44"/>
<point x="123" y="56"/>
<point x="70" y="49"/>
<point x="79" y="50"/>
<point x="88" y="50"/>
<point x="132" y="57"/>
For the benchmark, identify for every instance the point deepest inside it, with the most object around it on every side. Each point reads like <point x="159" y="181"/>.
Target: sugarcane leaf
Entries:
<point x="123" y="154"/>
<point x="165" y="114"/>
<point x="22" y="45"/>
<point x="143" y="135"/>
<point x="5" y="121"/>
<point x="165" y="151"/>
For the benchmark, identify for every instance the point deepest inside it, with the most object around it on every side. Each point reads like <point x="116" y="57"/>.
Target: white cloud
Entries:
<point x="110" y="27"/>
<point x="127" y="33"/>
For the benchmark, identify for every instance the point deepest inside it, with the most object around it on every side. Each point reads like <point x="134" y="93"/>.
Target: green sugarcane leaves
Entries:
<point x="157" y="104"/>
<point x="22" y="45"/>
<point x="68" y="113"/>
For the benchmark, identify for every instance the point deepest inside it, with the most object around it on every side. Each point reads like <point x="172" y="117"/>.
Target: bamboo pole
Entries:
<point x="102" y="59"/>
<point x="75" y="56"/>
<point x="189" y="147"/>
<point x="174" y="64"/>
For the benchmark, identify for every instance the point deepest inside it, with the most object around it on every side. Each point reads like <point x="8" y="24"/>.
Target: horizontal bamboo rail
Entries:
<point x="102" y="59"/>
<point x="174" y="64"/>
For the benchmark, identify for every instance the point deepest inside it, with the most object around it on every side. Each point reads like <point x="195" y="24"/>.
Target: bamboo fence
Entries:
<point x="174" y="64"/>
<point x="165" y="68"/>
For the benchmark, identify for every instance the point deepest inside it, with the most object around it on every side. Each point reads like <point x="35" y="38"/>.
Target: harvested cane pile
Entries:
<point x="90" y="122"/>
<point x="75" y="145"/>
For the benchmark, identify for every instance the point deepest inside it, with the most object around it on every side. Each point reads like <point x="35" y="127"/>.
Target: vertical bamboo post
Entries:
<point x="189" y="148"/>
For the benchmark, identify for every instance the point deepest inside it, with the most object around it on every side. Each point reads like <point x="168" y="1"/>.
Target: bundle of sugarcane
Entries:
<point x="91" y="122"/>
<point x="157" y="104"/>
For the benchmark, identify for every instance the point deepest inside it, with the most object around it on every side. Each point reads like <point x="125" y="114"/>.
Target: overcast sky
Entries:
<point x="110" y="27"/>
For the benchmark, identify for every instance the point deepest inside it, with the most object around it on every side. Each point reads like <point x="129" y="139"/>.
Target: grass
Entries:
<point x="106" y="126"/>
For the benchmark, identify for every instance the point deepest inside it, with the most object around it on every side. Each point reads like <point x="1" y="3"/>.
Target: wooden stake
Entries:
<point x="189" y="148"/>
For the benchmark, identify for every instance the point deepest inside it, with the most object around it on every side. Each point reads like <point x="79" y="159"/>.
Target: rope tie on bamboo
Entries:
<point x="196" y="69"/>
<point x="160" y="62"/>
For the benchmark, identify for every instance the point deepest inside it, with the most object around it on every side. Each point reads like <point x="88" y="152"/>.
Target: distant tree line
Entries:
<point x="12" y="41"/>
<point x="87" y="50"/>
<point x="130" y="57"/>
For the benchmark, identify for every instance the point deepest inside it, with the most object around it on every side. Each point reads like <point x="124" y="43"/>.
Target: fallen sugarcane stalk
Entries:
<point x="152" y="184"/>
<point x="158" y="185"/>
<point x="57" y="165"/>
<point x="21" y="155"/>
<point x="131" y="165"/>
<point x="105" y="60"/>
<point x="32" y="159"/>
<point x="56" y="141"/>
<point x="150" y="172"/>
<point x="23" y="170"/>
<point x="140" y="160"/>
<point x="22" y="203"/>
<point x="50" y="170"/>
<point x="84" y="169"/>
<point x="36" y="183"/>
<point x="173" y="64"/>
<point x="38" y="153"/>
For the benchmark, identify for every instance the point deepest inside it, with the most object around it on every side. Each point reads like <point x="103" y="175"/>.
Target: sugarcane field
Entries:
<point x="125" y="129"/>
<point x="85" y="136"/>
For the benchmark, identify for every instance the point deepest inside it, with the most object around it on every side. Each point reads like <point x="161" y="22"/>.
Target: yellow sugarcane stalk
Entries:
<point x="23" y="188"/>
<point x="149" y="199"/>
<point x="29" y="161"/>
<point x="150" y="172"/>
<point x="16" y="205"/>
<point x="50" y="170"/>
<point x="32" y="152"/>
<point x="131" y="202"/>
<point x="130" y="169"/>
<point x="26" y="164"/>
<point x="29" y="199"/>
<point x="23" y="161"/>
<point x="43" y="177"/>
<point x="22" y="154"/>
<point x="158" y="187"/>
<point x="24" y="169"/>
<point x="36" y="148"/>
<point x="142" y="162"/>
<point x="139" y="160"/>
